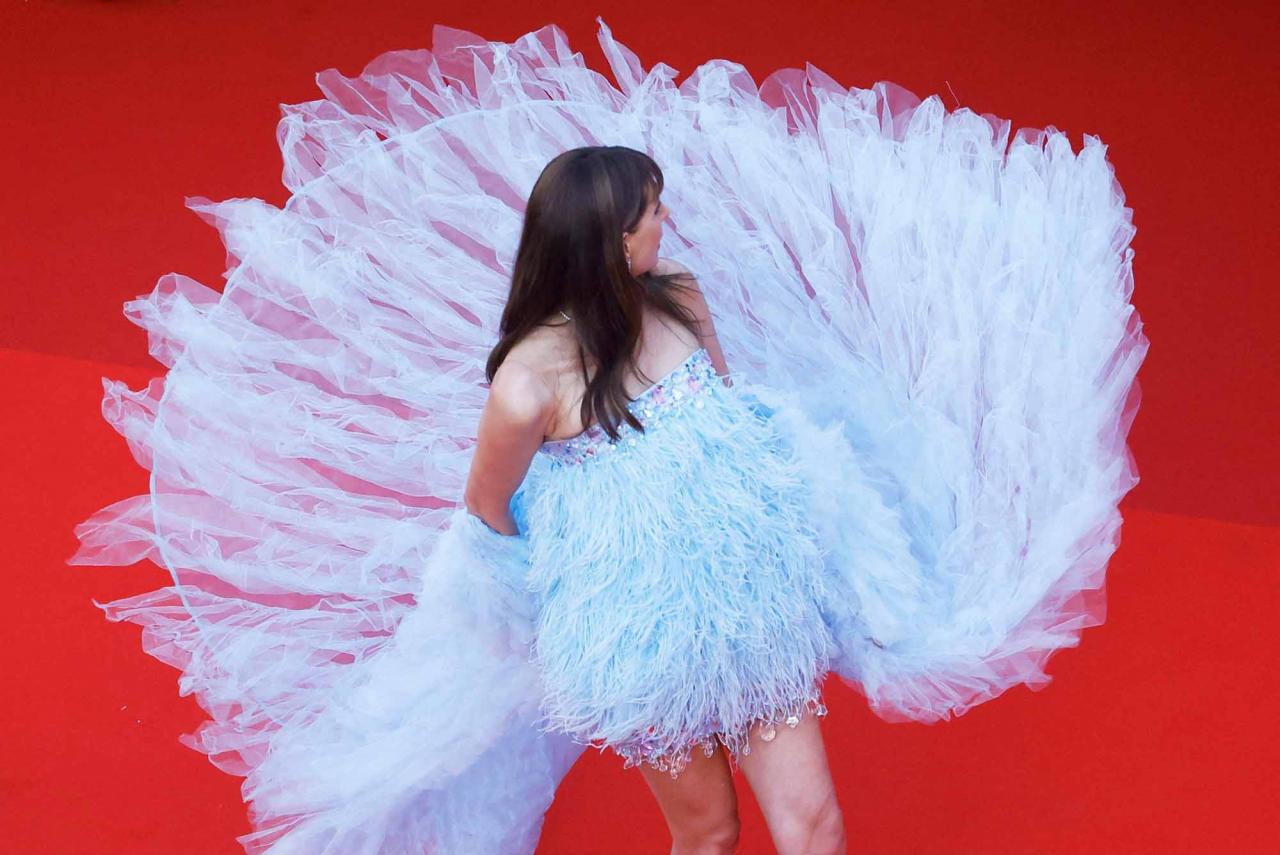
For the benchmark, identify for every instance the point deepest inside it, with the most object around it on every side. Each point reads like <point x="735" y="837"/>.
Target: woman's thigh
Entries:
<point x="790" y="776"/>
<point x="701" y="798"/>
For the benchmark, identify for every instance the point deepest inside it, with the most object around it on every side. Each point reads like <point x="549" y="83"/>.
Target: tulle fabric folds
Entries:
<point x="937" y="309"/>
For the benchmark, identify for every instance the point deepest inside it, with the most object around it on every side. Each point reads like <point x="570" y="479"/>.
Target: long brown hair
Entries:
<point x="571" y="257"/>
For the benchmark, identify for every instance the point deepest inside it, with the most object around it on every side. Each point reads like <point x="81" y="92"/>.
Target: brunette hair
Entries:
<point x="571" y="257"/>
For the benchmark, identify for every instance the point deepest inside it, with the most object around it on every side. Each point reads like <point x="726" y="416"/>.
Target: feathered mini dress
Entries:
<point x="912" y="482"/>
<point x="679" y="579"/>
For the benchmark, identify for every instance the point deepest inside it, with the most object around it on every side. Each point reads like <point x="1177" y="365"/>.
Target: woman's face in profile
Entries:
<point x="644" y="242"/>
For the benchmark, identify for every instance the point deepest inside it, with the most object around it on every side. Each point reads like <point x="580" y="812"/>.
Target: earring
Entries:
<point x="628" y="252"/>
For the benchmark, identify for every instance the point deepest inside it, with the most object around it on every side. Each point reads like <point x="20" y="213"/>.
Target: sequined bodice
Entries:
<point x="684" y="385"/>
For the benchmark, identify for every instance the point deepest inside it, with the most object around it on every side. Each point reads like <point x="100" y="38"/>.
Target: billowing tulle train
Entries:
<point x="937" y="314"/>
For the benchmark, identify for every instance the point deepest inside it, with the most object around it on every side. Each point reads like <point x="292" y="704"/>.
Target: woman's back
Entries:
<point x="551" y="351"/>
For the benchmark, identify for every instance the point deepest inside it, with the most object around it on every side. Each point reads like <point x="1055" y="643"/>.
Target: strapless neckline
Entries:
<point x="638" y="399"/>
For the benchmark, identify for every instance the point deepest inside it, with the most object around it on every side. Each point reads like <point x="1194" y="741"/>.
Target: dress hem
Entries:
<point x="737" y="742"/>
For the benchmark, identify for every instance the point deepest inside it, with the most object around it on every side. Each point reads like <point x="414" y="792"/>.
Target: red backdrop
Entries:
<point x="1153" y="736"/>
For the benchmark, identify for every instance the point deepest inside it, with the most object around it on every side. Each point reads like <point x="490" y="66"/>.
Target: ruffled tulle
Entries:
<point x="434" y="744"/>
<point x="938" y="313"/>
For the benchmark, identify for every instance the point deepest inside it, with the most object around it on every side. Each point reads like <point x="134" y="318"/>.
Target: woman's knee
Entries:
<point x="813" y="828"/>
<point x="708" y="835"/>
<point x="828" y="828"/>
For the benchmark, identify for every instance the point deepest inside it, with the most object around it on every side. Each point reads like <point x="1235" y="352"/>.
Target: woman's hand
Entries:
<point x="520" y="405"/>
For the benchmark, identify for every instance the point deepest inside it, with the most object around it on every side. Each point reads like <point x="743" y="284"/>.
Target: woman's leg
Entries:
<point x="700" y="805"/>
<point x="792" y="783"/>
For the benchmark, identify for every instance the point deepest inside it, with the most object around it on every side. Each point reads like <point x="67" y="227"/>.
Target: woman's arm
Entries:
<point x="519" y="407"/>
<point x="694" y="301"/>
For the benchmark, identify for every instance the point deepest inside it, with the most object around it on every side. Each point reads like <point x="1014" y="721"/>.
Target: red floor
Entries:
<point x="1155" y="735"/>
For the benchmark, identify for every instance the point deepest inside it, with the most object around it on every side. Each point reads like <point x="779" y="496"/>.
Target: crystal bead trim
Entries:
<point x="686" y="384"/>
<point x="643" y="751"/>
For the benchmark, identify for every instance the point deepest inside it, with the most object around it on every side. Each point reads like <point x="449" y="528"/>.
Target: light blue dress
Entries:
<point x="677" y="575"/>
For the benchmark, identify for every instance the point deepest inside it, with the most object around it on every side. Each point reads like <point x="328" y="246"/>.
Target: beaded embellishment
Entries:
<point x="641" y="750"/>
<point x="687" y="383"/>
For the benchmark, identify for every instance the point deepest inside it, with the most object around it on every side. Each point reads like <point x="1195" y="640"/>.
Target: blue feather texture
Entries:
<point x="678" y="579"/>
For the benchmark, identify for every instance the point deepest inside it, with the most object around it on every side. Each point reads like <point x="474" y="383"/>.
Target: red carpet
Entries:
<point x="1155" y="735"/>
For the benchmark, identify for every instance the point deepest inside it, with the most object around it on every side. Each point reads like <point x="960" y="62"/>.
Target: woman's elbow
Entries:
<point x="482" y="505"/>
<point x="472" y="502"/>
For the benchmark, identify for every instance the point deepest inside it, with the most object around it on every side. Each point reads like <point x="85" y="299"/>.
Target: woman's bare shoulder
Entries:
<point x="691" y="294"/>
<point x="525" y="387"/>
<point x="665" y="266"/>
<point x="692" y="298"/>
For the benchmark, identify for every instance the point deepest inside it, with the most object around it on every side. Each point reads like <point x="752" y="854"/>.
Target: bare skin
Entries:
<point x="700" y="806"/>
<point x="790" y="779"/>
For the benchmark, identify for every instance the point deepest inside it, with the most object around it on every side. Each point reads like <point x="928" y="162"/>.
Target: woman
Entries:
<point x="416" y="573"/>
<point x="679" y="579"/>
